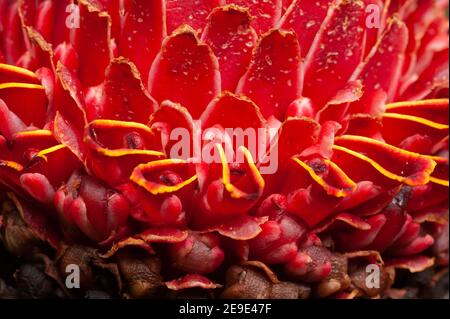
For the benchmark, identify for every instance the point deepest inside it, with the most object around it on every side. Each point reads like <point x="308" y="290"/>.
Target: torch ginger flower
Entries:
<point x="354" y="118"/>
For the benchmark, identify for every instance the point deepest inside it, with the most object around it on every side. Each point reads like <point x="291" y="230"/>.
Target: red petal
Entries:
<point x="184" y="12"/>
<point x="324" y="145"/>
<point x="38" y="152"/>
<point x="17" y="97"/>
<point x="66" y="133"/>
<point x="199" y="253"/>
<point x="221" y="111"/>
<point x="360" y="239"/>
<point x="220" y="114"/>
<point x="164" y="188"/>
<point x="228" y="189"/>
<point x="51" y="21"/>
<point x="336" y="109"/>
<point x="92" y="41"/>
<point x="128" y="242"/>
<point x="11" y="73"/>
<point x="399" y="165"/>
<point x="381" y="72"/>
<point x="337" y="52"/>
<point x="408" y="126"/>
<point x="232" y="40"/>
<point x="305" y="17"/>
<point x="122" y="96"/>
<point x="190" y="67"/>
<point x="39" y="187"/>
<point x="347" y="219"/>
<point x="117" y="147"/>
<point x="69" y="98"/>
<point x="14" y="44"/>
<point x="142" y="33"/>
<point x="273" y="79"/>
<point x="436" y="76"/>
<point x="432" y="110"/>
<point x="315" y="189"/>
<point x="395" y="221"/>
<point x="364" y="125"/>
<point x="266" y="13"/>
<point x="9" y="122"/>
<point x="168" y="118"/>
<point x="289" y="143"/>
<point x="416" y="247"/>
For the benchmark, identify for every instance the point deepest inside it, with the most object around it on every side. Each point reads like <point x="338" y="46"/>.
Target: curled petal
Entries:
<point x="413" y="264"/>
<point x="289" y="144"/>
<point x="241" y="228"/>
<point x="311" y="264"/>
<point x="69" y="98"/>
<point x="128" y="242"/>
<point x="115" y="148"/>
<point x="161" y="186"/>
<point x="191" y="281"/>
<point x="415" y="247"/>
<point x="163" y="235"/>
<point x="399" y="165"/>
<point x="228" y="189"/>
<point x="315" y="189"/>
<point x="407" y="126"/>
<point x="432" y="110"/>
<point x="38" y="186"/>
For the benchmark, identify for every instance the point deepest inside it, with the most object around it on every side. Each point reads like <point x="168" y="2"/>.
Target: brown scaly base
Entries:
<point x="23" y="280"/>
<point x="40" y="274"/>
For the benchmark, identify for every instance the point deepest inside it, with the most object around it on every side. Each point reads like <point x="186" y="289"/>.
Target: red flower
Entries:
<point x="290" y="133"/>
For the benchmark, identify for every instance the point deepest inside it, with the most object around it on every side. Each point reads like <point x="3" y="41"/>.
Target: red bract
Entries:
<point x="303" y="135"/>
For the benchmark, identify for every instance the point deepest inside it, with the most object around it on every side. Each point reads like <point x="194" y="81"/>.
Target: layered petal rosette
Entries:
<point x="301" y="140"/>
